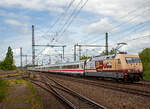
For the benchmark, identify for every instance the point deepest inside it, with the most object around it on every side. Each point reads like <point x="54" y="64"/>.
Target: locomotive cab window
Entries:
<point x="133" y="60"/>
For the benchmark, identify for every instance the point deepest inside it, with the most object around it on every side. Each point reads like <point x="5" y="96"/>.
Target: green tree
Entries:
<point x="145" y="58"/>
<point x="112" y="51"/>
<point x="103" y="53"/>
<point x="84" y="57"/>
<point x="8" y="63"/>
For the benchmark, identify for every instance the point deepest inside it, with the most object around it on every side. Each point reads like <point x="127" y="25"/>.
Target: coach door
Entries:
<point x="99" y="66"/>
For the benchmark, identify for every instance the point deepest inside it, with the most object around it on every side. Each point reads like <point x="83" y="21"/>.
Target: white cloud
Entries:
<point x="18" y="26"/>
<point x="4" y="13"/>
<point x="112" y="8"/>
<point x="16" y="52"/>
<point x="118" y="8"/>
<point x="139" y="44"/>
<point x="34" y="4"/>
<point x="99" y="27"/>
<point x="13" y="15"/>
<point x="48" y="51"/>
<point x="134" y="46"/>
<point x="13" y="22"/>
<point x="129" y="9"/>
<point x="106" y="10"/>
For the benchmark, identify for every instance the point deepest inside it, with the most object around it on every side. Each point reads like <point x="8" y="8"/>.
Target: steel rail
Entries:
<point x="54" y="92"/>
<point x="83" y="98"/>
<point x="112" y="87"/>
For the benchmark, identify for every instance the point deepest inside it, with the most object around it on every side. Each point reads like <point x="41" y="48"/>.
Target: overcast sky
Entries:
<point x="122" y="19"/>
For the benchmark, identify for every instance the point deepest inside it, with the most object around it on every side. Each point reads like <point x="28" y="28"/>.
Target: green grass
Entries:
<point x="146" y="75"/>
<point x="13" y="82"/>
<point x="3" y="89"/>
<point x="33" y="90"/>
<point x="36" y="96"/>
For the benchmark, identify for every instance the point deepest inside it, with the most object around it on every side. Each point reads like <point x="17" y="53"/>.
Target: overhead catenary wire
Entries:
<point x="140" y="23"/>
<point x="74" y="17"/>
<point x="133" y="39"/>
<point x="57" y="20"/>
<point x="131" y="12"/>
<point x="62" y="15"/>
<point x="65" y="31"/>
<point x="139" y="27"/>
<point x="59" y="17"/>
<point x="70" y="19"/>
<point x="120" y="24"/>
<point x="137" y="38"/>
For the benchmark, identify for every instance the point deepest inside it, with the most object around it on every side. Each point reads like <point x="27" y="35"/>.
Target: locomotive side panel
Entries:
<point x="104" y="68"/>
<point x="131" y="67"/>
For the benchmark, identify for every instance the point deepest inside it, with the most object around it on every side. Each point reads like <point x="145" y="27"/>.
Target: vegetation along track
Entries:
<point x="14" y="77"/>
<point x="72" y="99"/>
<point x="127" y="88"/>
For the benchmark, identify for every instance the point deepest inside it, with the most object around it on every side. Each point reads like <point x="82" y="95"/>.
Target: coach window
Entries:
<point x="119" y="62"/>
<point x="70" y="66"/>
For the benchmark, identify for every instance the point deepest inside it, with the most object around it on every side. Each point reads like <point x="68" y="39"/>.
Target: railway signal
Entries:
<point x="20" y="57"/>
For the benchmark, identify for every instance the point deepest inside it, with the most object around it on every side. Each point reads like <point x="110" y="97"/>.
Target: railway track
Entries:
<point x="117" y="87"/>
<point x="144" y="83"/>
<point x="38" y="83"/>
<point x="141" y="84"/>
<point x="72" y="99"/>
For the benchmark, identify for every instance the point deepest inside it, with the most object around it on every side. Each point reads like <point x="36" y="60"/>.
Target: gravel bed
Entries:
<point x="109" y="98"/>
<point x="133" y="86"/>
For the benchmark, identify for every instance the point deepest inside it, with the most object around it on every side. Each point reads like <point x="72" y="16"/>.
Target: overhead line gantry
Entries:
<point x="79" y="45"/>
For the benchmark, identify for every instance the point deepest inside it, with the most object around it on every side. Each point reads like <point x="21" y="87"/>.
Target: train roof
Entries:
<point x="112" y="56"/>
<point x="82" y="61"/>
<point x="104" y="57"/>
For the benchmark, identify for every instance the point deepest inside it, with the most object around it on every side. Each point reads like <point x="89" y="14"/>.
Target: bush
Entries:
<point x="3" y="89"/>
<point x="145" y="58"/>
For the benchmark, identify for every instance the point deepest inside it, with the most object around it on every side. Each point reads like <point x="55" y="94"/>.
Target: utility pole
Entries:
<point x="20" y="57"/>
<point x="61" y="57"/>
<point x="49" y="59"/>
<point x="79" y="52"/>
<point x="75" y="52"/>
<point x="37" y="62"/>
<point x="106" y="43"/>
<point x="42" y="62"/>
<point x="26" y="60"/>
<point x="33" y="47"/>
<point x="63" y="51"/>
